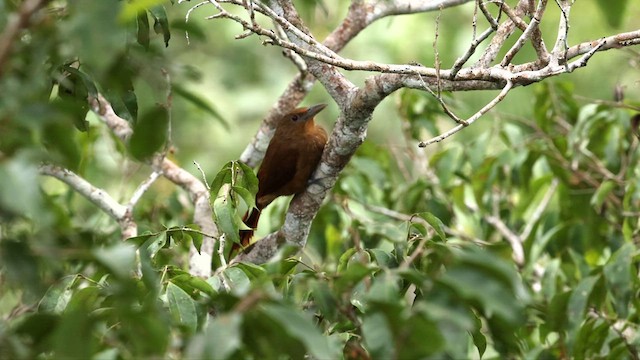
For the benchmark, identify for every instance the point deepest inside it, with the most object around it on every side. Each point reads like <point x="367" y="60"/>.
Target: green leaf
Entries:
<point x="20" y="265"/>
<point x="324" y="299"/>
<point x="223" y="336"/>
<point x="59" y="139"/>
<point x="149" y="133"/>
<point x="435" y="223"/>
<point x="188" y="281"/>
<point x="38" y="327"/>
<point x="246" y="196"/>
<point x="119" y="258"/>
<point x="384" y="290"/>
<point x="225" y="214"/>
<point x="77" y="323"/>
<point x="601" y="194"/>
<point x="249" y="178"/>
<point x="186" y="233"/>
<point x="501" y="294"/>
<point x="143" y="35"/>
<point x="577" y="304"/>
<point x="182" y="307"/>
<point x="20" y="189"/>
<point x="479" y="340"/>
<point x="253" y="271"/>
<point x="378" y="337"/>
<point x="87" y="81"/>
<point x="550" y="277"/>
<point x="222" y="177"/>
<point x="153" y="243"/>
<point x="352" y="275"/>
<point x="199" y="102"/>
<point x="161" y="24"/>
<point x="150" y="276"/>
<point x="237" y="280"/>
<point x="411" y="338"/>
<point x="618" y="278"/>
<point x="131" y="9"/>
<point x="302" y="328"/>
<point x="58" y="295"/>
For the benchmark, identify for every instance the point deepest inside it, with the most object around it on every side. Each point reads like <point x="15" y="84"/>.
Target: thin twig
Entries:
<point x="142" y="188"/>
<point x="204" y="177"/>
<point x="472" y="119"/>
<point x="512" y="238"/>
<point x="186" y="17"/>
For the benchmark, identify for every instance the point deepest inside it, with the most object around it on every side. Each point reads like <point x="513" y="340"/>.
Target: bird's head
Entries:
<point x="300" y="116"/>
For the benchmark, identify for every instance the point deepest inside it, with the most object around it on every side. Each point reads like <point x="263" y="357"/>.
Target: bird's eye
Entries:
<point x="295" y="117"/>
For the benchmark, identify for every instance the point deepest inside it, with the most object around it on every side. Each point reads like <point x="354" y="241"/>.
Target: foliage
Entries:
<point x="412" y="257"/>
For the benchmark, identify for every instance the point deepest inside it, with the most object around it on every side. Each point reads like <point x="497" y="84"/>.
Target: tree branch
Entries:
<point x="200" y="263"/>
<point x="357" y="104"/>
<point x="120" y="213"/>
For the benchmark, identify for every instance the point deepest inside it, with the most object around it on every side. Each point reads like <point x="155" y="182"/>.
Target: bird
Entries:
<point x="291" y="157"/>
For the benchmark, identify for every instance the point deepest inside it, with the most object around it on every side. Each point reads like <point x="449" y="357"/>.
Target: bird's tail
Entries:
<point x="251" y="220"/>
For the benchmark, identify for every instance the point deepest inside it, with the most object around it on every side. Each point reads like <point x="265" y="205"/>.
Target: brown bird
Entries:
<point x="292" y="155"/>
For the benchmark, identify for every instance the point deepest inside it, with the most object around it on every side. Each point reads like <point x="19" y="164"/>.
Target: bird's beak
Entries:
<point x="312" y="111"/>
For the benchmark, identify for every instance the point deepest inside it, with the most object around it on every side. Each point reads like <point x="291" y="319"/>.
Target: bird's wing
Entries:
<point x="276" y="171"/>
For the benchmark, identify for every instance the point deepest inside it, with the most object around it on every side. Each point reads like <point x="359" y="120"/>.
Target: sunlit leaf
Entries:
<point x="131" y="9"/>
<point x="601" y="194"/>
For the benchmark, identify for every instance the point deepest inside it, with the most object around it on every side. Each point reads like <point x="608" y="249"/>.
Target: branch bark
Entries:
<point x="118" y="212"/>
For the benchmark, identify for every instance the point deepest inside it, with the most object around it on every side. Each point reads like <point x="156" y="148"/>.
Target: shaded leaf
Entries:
<point x="435" y="223"/>
<point x="182" y="307"/>
<point x="118" y="258"/>
<point x="149" y="133"/>
<point x="378" y="337"/>
<point x="223" y="336"/>
<point x="142" y="21"/>
<point x="577" y="304"/>
<point x="617" y="275"/>
<point x="301" y="327"/>
<point x="225" y="215"/>
<point x="58" y="296"/>
<point x="161" y="24"/>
